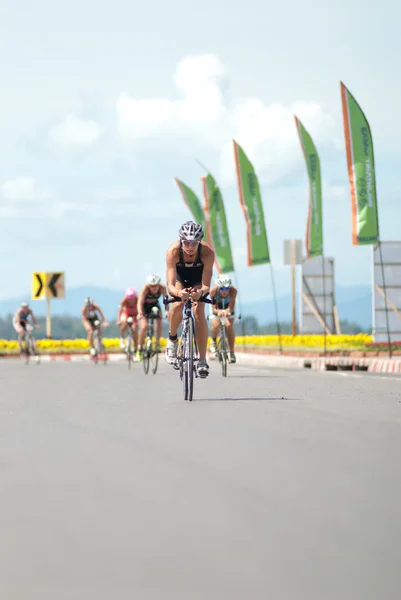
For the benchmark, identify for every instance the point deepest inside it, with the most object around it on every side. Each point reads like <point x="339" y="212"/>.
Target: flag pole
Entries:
<point x="324" y="304"/>
<point x="276" y="309"/>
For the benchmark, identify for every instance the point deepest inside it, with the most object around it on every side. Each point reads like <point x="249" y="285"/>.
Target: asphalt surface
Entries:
<point x="269" y="485"/>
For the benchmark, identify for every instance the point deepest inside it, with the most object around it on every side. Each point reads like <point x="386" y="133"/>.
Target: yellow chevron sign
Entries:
<point x="48" y="285"/>
<point x="38" y="285"/>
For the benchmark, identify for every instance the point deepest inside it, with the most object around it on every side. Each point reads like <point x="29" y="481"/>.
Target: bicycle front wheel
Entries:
<point x="223" y="355"/>
<point x="189" y="362"/>
<point x="146" y="356"/>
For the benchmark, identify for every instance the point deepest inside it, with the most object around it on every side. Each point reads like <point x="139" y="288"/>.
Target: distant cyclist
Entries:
<point x="189" y="273"/>
<point x="128" y="308"/>
<point x="224" y="294"/>
<point x="20" y="320"/>
<point x="91" y="312"/>
<point x="149" y="297"/>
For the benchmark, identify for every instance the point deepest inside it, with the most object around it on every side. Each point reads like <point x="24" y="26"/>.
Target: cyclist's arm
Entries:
<point x="141" y="299"/>
<point x="213" y="293"/>
<point x="99" y="310"/>
<point x="163" y="292"/>
<point x="208" y="262"/>
<point x="171" y="262"/>
<point x="233" y="295"/>
<point x="120" y="309"/>
<point x="33" y="318"/>
<point x="83" y="312"/>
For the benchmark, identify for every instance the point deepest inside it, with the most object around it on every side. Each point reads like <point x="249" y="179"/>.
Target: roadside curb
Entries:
<point x="372" y="365"/>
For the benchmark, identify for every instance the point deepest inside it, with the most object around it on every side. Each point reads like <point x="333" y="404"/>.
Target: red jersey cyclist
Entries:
<point x="128" y="308"/>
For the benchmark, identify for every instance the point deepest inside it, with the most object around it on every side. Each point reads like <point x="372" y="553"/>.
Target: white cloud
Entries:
<point x="76" y="133"/>
<point x="23" y="188"/>
<point x="202" y="115"/>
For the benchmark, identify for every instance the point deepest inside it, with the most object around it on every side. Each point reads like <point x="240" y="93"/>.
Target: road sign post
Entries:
<point x="293" y="257"/>
<point x="48" y="285"/>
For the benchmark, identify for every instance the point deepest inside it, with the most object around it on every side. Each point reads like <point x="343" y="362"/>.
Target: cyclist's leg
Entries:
<point x="231" y="339"/>
<point x="201" y="328"/>
<point x="202" y="334"/>
<point x="21" y="333"/>
<point x="123" y="327"/>
<point x="175" y="319"/>
<point x="143" y="328"/>
<point x="158" y="330"/>
<point x="214" y="331"/>
<point x="89" y="330"/>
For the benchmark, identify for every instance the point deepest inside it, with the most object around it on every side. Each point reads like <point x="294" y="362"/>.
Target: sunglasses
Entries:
<point x="187" y="243"/>
<point x="224" y="289"/>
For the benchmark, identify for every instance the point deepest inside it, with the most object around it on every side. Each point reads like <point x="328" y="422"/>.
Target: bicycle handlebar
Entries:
<point x="167" y="300"/>
<point x="233" y="317"/>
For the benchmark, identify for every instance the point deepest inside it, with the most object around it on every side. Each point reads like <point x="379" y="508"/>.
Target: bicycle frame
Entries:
<point x="30" y="344"/>
<point x="222" y="345"/>
<point x="129" y="341"/>
<point x="98" y="342"/>
<point x="187" y="352"/>
<point x="150" y="353"/>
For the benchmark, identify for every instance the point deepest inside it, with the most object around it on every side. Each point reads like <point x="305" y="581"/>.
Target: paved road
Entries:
<point x="271" y="485"/>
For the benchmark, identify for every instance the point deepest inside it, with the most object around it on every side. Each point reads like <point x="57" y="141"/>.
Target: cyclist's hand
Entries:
<point x="184" y="294"/>
<point x="118" y="323"/>
<point x="37" y="326"/>
<point x="196" y="294"/>
<point x="105" y="324"/>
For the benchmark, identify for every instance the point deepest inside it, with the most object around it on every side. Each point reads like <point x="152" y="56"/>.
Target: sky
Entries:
<point x="104" y="104"/>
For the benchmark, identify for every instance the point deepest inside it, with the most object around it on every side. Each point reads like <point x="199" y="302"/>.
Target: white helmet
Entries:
<point x="153" y="279"/>
<point x="191" y="232"/>
<point x="223" y="281"/>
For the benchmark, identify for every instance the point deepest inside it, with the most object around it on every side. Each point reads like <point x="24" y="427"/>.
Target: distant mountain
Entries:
<point x="353" y="304"/>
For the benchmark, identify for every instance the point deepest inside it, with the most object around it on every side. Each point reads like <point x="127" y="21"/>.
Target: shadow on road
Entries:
<point x="250" y="399"/>
<point x="256" y="376"/>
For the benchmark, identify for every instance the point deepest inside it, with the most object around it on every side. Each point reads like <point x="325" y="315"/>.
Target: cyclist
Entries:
<point x="128" y="308"/>
<point x="20" y="320"/>
<point x="149" y="299"/>
<point x="224" y="294"/>
<point x="90" y="313"/>
<point x="189" y="273"/>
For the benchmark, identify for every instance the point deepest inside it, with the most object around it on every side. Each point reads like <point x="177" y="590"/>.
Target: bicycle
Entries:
<point x="28" y="345"/>
<point x="150" y="351"/>
<point x="98" y="343"/>
<point x="187" y="351"/>
<point x="222" y="349"/>
<point x="129" y="343"/>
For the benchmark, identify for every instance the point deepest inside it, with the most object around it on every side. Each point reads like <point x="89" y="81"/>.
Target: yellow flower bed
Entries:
<point x="307" y="341"/>
<point x="346" y="342"/>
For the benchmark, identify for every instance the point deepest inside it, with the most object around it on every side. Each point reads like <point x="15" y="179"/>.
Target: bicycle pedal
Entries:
<point x="176" y="366"/>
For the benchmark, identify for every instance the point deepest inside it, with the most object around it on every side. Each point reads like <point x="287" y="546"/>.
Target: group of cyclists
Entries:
<point x="189" y="265"/>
